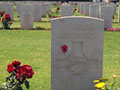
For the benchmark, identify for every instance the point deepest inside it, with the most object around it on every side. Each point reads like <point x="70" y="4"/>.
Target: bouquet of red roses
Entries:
<point x="18" y="76"/>
<point x="6" y="21"/>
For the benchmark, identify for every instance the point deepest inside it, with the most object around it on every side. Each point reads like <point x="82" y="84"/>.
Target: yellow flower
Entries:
<point x="100" y="85"/>
<point x="95" y="81"/>
<point x="103" y="88"/>
<point x="114" y="76"/>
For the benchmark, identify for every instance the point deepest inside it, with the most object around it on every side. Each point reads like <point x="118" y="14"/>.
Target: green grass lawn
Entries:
<point x="33" y="47"/>
<point x="30" y="47"/>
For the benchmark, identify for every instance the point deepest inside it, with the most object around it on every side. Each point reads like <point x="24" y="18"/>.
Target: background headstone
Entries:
<point x="45" y="8"/>
<point x="119" y="14"/>
<point x="27" y="16"/>
<point x="86" y="9"/>
<point x="94" y="10"/>
<point x="66" y="10"/>
<point x="82" y="8"/>
<point x="18" y="7"/>
<point x="79" y="6"/>
<point x="83" y="62"/>
<point x="2" y="8"/>
<point x="37" y="12"/>
<point x="9" y="8"/>
<point x="106" y="13"/>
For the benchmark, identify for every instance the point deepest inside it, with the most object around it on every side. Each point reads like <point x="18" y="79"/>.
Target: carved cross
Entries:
<point x="75" y="61"/>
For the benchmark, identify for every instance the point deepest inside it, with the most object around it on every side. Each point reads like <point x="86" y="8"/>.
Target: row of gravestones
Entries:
<point x="41" y="7"/>
<point x="35" y="11"/>
<point x="119" y="14"/>
<point x="28" y="12"/>
<point x="102" y="10"/>
<point x="32" y="11"/>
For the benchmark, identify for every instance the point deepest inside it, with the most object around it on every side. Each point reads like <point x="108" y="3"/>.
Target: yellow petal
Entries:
<point x="100" y="85"/>
<point x="95" y="81"/>
<point x="103" y="88"/>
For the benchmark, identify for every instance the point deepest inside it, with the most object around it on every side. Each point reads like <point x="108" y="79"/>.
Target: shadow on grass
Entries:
<point x="34" y="21"/>
<point x="116" y="22"/>
<point x="17" y="21"/>
<point x="37" y="28"/>
<point x="45" y="21"/>
<point x="41" y="28"/>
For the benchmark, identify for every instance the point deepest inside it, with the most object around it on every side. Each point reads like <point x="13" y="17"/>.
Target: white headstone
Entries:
<point x="27" y="16"/>
<point x="86" y="9"/>
<point x="9" y="8"/>
<point x="106" y="13"/>
<point x="49" y="6"/>
<point x="82" y="8"/>
<point x="83" y="62"/>
<point x="18" y="7"/>
<point x="45" y="8"/>
<point x="37" y="12"/>
<point x="119" y="14"/>
<point x="94" y="10"/>
<point x="113" y="6"/>
<point x="78" y="7"/>
<point x="66" y="9"/>
<point x="2" y="7"/>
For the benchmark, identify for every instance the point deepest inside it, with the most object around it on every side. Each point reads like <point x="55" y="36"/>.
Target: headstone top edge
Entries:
<point x="106" y="6"/>
<point x="78" y="17"/>
<point x="27" y="4"/>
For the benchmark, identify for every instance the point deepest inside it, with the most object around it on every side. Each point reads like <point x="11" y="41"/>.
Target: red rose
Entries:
<point x="31" y="74"/>
<point x="10" y="68"/>
<point x="17" y="76"/>
<point x="58" y="9"/>
<point x="29" y="70"/>
<point x="54" y="17"/>
<point x="7" y="16"/>
<point x="113" y="17"/>
<point x="16" y="63"/>
<point x="64" y="48"/>
<point x="24" y="72"/>
<point x="21" y="74"/>
<point x="1" y="14"/>
<point x="75" y="9"/>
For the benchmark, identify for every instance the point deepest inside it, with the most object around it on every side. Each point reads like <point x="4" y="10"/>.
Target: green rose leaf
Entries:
<point x="7" y="78"/>
<point x="27" y="84"/>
